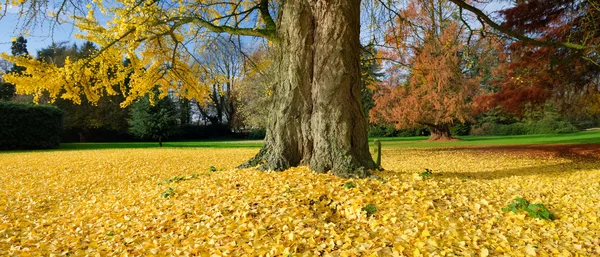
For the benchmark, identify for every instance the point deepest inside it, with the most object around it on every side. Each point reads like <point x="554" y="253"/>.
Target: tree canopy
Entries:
<point x="533" y="74"/>
<point x="431" y="81"/>
<point x="161" y="38"/>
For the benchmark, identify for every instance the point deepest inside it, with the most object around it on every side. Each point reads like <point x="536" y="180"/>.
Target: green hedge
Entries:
<point x="28" y="126"/>
<point x="543" y="126"/>
<point x="380" y="130"/>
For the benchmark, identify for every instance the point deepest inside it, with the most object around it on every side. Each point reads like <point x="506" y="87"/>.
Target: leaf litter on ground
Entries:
<point x="108" y="202"/>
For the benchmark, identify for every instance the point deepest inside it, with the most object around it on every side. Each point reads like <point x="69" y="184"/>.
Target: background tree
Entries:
<point x="57" y="53"/>
<point x="223" y="61"/>
<point x="430" y="81"/>
<point x="371" y="75"/>
<point x="537" y="74"/>
<point x="185" y="111"/>
<point x="86" y="119"/>
<point x="7" y="90"/>
<point x="156" y="119"/>
<point x="18" y="48"/>
<point x="256" y="87"/>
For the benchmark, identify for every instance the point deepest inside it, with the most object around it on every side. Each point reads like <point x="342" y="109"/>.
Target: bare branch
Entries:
<point x="485" y="19"/>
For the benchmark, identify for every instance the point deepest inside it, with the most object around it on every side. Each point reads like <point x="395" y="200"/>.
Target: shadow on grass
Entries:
<point x="553" y="170"/>
<point x="572" y="152"/>
<point x="146" y="145"/>
<point x="184" y="144"/>
<point x="579" y="156"/>
<point x="584" y="137"/>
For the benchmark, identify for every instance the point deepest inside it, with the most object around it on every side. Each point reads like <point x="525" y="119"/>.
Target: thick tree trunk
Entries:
<point x="316" y="117"/>
<point x="440" y="132"/>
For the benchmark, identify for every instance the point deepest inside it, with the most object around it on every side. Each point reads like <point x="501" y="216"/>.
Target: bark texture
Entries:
<point x="316" y="117"/>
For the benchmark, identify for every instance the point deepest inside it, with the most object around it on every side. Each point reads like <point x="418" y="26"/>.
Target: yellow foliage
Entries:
<point x="157" y="39"/>
<point x="108" y="203"/>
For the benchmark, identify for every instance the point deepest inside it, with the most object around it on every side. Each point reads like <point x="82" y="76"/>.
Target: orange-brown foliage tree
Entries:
<point x="535" y="74"/>
<point x="432" y="70"/>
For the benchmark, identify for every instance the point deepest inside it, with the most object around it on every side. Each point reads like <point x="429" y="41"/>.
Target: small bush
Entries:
<point x="510" y="129"/>
<point x="177" y="179"/>
<point x="543" y="126"/>
<point x="378" y="130"/>
<point x="537" y="120"/>
<point x="483" y="130"/>
<point x="166" y="194"/>
<point x="460" y="129"/>
<point x="538" y="211"/>
<point x="548" y="125"/>
<point x="349" y="185"/>
<point x="414" y="132"/>
<point x="28" y="126"/>
<point x="426" y="174"/>
<point x="370" y="209"/>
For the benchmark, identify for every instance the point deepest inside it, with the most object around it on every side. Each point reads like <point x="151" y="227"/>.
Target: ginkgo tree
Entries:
<point x="315" y="117"/>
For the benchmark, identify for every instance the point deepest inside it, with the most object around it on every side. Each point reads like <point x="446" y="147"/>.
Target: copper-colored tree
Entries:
<point x="538" y="73"/>
<point x="431" y="81"/>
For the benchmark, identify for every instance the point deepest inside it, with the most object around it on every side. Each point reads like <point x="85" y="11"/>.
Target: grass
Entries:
<point x="583" y="137"/>
<point x="574" y="138"/>
<point x="183" y="144"/>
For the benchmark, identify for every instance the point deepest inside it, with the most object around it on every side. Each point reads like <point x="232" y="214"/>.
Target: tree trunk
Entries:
<point x="160" y="141"/>
<point x="316" y="116"/>
<point x="82" y="137"/>
<point x="231" y="112"/>
<point x="440" y="132"/>
<point x="204" y="114"/>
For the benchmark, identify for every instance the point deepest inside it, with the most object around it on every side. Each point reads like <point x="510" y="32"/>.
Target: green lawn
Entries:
<point x="583" y="137"/>
<point x="574" y="138"/>
<point x="199" y="144"/>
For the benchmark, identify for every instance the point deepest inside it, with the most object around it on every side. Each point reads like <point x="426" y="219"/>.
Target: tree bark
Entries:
<point x="316" y="117"/>
<point x="440" y="132"/>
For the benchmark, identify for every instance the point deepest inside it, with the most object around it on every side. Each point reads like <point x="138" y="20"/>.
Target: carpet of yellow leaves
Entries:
<point x="108" y="203"/>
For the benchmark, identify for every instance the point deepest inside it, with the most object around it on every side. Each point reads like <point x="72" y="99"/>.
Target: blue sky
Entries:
<point x="42" y="35"/>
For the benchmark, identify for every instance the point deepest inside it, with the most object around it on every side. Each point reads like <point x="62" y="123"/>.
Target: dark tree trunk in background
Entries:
<point x="316" y="116"/>
<point x="160" y="141"/>
<point x="231" y="107"/>
<point x="83" y="135"/>
<point x="440" y="132"/>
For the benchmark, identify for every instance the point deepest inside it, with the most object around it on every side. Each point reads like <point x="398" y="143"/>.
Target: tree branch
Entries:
<point x="514" y="34"/>
<point x="267" y="33"/>
<point x="266" y="16"/>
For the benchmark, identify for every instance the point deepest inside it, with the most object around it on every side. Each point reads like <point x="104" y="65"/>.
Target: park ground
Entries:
<point x="118" y="199"/>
